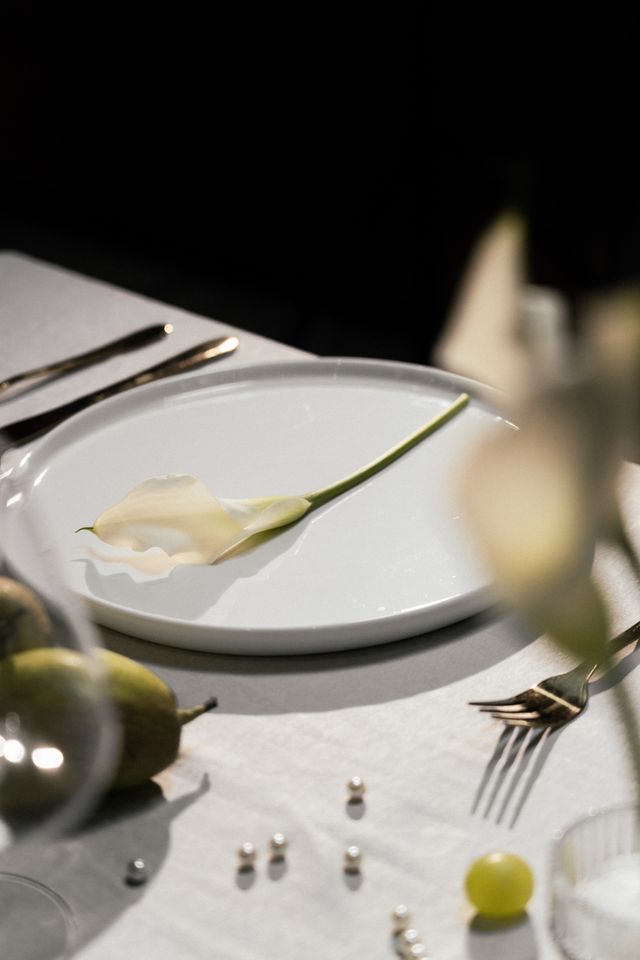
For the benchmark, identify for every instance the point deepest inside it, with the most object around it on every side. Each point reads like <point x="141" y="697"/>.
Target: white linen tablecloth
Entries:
<point x="288" y="734"/>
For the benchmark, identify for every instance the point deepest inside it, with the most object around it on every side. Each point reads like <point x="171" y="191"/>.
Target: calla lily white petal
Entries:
<point x="176" y="513"/>
<point x="181" y="517"/>
<point x="539" y="500"/>
<point x="532" y="506"/>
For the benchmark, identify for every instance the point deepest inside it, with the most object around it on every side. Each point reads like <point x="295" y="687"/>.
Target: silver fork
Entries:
<point x="558" y="700"/>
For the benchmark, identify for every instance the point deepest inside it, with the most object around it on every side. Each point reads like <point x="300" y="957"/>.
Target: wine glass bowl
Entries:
<point x="51" y="716"/>
<point x="58" y="731"/>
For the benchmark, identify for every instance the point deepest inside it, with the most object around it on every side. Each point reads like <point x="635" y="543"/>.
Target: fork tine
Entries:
<point x="520" y="715"/>
<point x="544" y="711"/>
<point x="508" y="707"/>
<point x="496" y="703"/>
<point x="545" y="720"/>
<point x="512" y="721"/>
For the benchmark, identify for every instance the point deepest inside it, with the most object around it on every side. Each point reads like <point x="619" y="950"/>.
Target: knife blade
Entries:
<point x="23" y="431"/>
<point x="133" y="341"/>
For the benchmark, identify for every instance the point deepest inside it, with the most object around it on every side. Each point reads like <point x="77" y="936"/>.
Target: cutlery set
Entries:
<point x="23" y="431"/>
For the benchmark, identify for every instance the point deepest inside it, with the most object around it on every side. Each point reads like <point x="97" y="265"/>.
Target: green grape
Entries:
<point x="499" y="885"/>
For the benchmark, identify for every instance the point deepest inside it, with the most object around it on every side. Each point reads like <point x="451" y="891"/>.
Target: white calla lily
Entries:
<point x="179" y="516"/>
<point x="539" y="500"/>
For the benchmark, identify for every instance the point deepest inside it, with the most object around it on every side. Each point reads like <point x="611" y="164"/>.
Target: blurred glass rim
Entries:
<point x="38" y="567"/>
<point x="36" y="563"/>
<point x="562" y="885"/>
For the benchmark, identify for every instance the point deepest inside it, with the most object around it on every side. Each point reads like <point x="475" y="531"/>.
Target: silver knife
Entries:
<point x="133" y="341"/>
<point x="23" y="431"/>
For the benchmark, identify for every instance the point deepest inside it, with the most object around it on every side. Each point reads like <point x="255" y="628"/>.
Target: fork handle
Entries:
<point x="588" y="668"/>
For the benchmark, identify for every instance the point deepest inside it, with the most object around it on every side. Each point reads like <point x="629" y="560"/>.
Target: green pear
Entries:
<point x="24" y="621"/>
<point x="150" y="720"/>
<point x="50" y="698"/>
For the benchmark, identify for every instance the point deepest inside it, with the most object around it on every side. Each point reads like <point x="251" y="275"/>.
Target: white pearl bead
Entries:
<point x="247" y="855"/>
<point x="417" y="951"/>
<point x="352" y="858"/>
<point x="356" y="788"/>
<point x="409" y="936"/>
<point x="136" y="871"/>
<point x="400" y="918"/>
<point x="278" y="844"/>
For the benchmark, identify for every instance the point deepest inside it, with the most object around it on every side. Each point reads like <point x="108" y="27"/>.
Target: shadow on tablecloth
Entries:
<point x="88" y="869"/>
<point x="486" y="941"/>
<point x="332" y="681"/>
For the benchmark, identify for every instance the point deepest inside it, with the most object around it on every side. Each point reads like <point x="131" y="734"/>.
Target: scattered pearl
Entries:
<point x="356" y="788"/>
<point x="400" y="918"/>
<point x="136" y="872"/>
<point x="278" y="844"/>
<point x="417" y="951"/>
<point x="352" y="859"/>
<point x="247" y="855"/>
<point x="409" y="937"/>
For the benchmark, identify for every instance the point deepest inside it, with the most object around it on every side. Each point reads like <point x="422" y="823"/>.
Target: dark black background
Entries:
<point x="316" y="172"/>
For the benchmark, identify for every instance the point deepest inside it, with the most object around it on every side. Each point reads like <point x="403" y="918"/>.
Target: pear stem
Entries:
<point x="187" y="714"/>
<point x="325" y="494"/>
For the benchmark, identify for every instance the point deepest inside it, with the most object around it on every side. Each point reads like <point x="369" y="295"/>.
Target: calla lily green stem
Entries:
<point x="318" y="497"/>
<point x="180" y="516"/>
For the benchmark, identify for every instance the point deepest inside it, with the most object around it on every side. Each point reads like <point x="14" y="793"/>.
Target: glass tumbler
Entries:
<point x="595" y="882"/>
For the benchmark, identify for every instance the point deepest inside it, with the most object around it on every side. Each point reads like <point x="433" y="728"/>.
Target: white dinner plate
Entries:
<point x="387" y="560"/>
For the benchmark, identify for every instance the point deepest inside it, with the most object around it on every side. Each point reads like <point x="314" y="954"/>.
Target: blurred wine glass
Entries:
<point x="58" y="736"/>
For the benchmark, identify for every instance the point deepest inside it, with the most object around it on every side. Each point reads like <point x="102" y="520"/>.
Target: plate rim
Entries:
<point x="237" y="374"/>
<point x="325" y="637"/>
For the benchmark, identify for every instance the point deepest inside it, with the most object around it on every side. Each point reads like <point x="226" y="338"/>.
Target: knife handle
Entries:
<point x="22" y="431"/>
<point x="133" y="341"/>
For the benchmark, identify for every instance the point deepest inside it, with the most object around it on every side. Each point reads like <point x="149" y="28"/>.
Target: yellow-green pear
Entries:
<point x="50" y="715"/>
